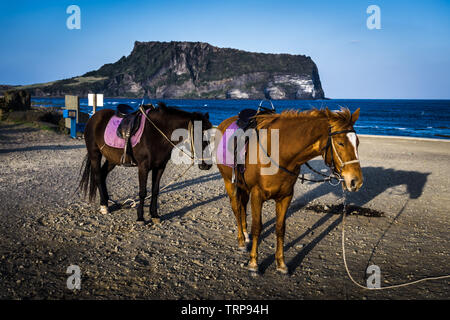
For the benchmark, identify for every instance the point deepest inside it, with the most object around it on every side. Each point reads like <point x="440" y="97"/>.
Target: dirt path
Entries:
<point x="193" y="254"/>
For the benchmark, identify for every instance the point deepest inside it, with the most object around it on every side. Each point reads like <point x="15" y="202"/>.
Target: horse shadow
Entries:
<point x="190" y="182"/>
<point x="377" y="180"/>
<point x="183" y="184"/>
<point x="177" y="186"/>
<point x="42" y="148"/>
<point x="181" y="212"/>
<point x="6" y="130"/>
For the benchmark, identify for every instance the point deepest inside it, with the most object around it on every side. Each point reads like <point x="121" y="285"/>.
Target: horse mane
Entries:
<point x="341" y="118"/>
<point x="173" y="110"/>
<point x="168" y="110"/>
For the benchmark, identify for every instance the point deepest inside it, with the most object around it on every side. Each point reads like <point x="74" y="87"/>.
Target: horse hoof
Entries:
<point x="253" y="268"/>
<point x="283" y="270"/>
<point x="104" y="210"/>
<point x="156" y="220"/>
<point x="140" y="222"/>
<point x="247" y="238"/>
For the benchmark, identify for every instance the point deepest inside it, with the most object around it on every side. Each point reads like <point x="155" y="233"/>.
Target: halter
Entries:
<point x="330" y="145"/>
<point x="191" y="141"/>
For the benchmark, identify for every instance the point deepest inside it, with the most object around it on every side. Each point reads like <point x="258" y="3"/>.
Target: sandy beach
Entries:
<point x="192" y="254"/>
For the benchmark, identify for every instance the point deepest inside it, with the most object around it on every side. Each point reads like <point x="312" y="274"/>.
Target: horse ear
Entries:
<point x="162" y="105"/>
<point x="330" y="114"/>
<point x="207" y="116"/>
<point x="355" y="116"/>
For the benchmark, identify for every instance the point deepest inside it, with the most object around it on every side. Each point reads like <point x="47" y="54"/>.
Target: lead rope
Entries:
<point x="344" y="257"/>
<point x="192" y="156"/>
<point x="343" y="225"/>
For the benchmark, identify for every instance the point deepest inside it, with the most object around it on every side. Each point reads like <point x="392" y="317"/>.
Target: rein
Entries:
<point x="327" y="178"/>
<point x="335" y="175"/>
<point x="330" y="145"/>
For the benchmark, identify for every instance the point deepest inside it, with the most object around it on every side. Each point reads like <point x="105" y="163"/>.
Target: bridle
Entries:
<point x="191" y="141"/>
<point x="330" y="146"/>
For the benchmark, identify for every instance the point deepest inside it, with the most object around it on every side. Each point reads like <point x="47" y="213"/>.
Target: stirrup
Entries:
<point x="123" y="158"/>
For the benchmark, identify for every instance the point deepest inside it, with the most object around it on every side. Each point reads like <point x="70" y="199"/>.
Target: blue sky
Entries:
<point x="409" y="57"/>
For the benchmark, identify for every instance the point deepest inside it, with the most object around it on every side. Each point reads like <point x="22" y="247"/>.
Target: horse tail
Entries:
<point x="87" y="179"/>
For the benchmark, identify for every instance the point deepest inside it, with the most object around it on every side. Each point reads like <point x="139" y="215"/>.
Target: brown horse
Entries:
<point x="302" y="137"/>
<point x="151" y="153"/>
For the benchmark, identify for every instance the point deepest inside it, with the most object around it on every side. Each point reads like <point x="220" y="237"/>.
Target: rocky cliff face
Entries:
<point x="196" y="70"/>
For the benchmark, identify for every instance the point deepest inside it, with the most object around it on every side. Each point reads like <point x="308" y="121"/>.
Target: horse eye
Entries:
<point x="341" y="144"/>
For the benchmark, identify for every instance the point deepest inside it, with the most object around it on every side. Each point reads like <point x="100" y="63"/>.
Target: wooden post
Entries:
<point x="72" y="103"/>
<point x="94" y="107"/>
<point x="72" y="114"/>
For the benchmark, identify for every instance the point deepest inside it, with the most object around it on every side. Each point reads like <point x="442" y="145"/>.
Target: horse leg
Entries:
<point x="236" y="207"/>
<point x="256" y="203"/>
<point x="244" y="202"/>
<point x="143" y="176"/>
<point x="105" y="169"/>
<point x="156" y="178"/>
<point x="281" y="208"/>
<point x="96" y="158"/>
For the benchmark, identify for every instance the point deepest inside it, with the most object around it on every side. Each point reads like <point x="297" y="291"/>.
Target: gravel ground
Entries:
<point x="46" y="227"/>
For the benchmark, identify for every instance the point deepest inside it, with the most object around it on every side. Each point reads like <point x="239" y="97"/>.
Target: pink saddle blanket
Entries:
<point x="111" y="138"/>
<point x="224" y="153"/>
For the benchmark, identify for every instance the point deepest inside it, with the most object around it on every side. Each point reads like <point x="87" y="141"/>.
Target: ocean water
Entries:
<point x="412" y="118"/>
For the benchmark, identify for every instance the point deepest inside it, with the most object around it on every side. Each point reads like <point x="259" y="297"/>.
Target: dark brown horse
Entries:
<point x="151" y="153"/>
<point x="302" y="137"/>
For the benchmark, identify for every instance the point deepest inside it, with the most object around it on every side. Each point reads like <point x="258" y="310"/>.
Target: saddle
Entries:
<point x="246" y="120"/>
<point x="127" y="128"/>
<point x="124" y="110"/>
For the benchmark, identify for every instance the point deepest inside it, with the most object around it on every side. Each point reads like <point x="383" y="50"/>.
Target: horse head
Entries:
<point x="341" y="150"/>
<point x="205" y="154"/>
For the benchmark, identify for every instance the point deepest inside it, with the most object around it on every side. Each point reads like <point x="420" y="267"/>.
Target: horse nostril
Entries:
<point x="353" y="183"/>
